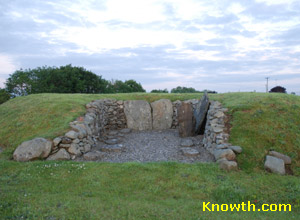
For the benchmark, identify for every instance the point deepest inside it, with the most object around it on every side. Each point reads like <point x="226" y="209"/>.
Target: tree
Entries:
<point x="4" y="96"/>
<point x="159" y="91"/>
<point x="65" y="79"/>
<point x="278" y="89"/>
<point x="180" y="89"/>
<point x="129" y="86"/>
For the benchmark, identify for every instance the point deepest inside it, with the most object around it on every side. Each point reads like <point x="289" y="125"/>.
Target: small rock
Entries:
<point x="219" y="114"/>
<point x="62" y="154"/>
<point x="74" y="149"/>
<point x="65" y="140"/>
<point x="236" y="149"/>
<point x="65" y="145"/>
<point x="224" y="164"/>
<point x="222" y="146"/>
<point x="285" y="158"/>
<point x="56" y="141"/>
<point x="121" y="135"/>
<point x="95" y="155"/>
<point x="71" y="134"/>
<point x="112" y="148"/>
<point x="76" y="141"/>
<point x="125" y="131"/>
<point x="217" y="129"/>
<point x="113" y="133"/>
<point x="190" y="152"/>
<point x="87" y="148"/>
<point x="111" y="141"/>
<point x="274" y="165"/>
<point x="187" y="142"/>
<point x="224" y="153"/>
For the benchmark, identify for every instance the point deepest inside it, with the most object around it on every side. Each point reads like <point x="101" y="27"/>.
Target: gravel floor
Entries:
<point x="154" y="146"/>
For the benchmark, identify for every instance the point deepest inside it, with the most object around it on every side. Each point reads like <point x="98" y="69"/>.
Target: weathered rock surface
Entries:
<point x="65" y="140"/>
<point x="285" y="158"/>
<point x="112" y="148"/>
<point x="94" y="155"/>
<point x="56" y="141"/>
<point x="224" y="164"/>
<point x="274" y="165"/>
<point x="138" y="115"/>
<point x="185" y="120"/>
<point x="190" y="152"/>
<point x="71" y="134"/>
<point x="74" y="149"/>
<point x="37" y="148"/>
<point x="186" y="142"/>
<point x="162" y="112"/>
<point x="62" y="154"/>
<point x="224" y="153"/>
<point x="200" y="114"/>
<point x="125" y="130"/>
<point x="236" y="149"/>
<point x="112" y="141"/>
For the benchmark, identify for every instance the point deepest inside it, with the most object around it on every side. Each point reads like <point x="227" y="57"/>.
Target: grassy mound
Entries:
<point x="70" y="190"/>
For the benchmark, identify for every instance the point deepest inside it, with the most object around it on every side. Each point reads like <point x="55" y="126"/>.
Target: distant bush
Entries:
<point x="65" y="79"/>
<point x="159" y="91"/>
<point x="4" y="96"/>
<point x="180" y="89"/>
<point x="278" y="89"/>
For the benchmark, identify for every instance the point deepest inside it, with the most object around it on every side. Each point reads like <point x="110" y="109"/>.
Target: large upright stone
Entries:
<point x="200" y="114"/>
<point x="162" y="112"/>
<point x="138" y="115"/>
<point x="37" y="148"/>
<point x="185" y="120"/>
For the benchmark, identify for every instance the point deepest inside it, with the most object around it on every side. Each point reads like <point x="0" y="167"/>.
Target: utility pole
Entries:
<point x="267" y="85"/>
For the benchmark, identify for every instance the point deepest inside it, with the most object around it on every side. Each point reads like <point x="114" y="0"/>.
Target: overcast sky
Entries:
<point x="221" y="45"/>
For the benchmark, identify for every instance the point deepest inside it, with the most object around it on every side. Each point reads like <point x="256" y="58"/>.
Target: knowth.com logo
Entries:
<point x="245" y="207"/>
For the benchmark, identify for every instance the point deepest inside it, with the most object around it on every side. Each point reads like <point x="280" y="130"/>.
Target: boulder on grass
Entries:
<point x="224" y="164"/>
<point x="37" y="148"/>
<point x="275" y="165"/>
<point x="285" y="158"/>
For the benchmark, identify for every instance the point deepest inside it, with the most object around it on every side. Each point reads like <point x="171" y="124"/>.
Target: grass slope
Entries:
<point x="69" y="190"/>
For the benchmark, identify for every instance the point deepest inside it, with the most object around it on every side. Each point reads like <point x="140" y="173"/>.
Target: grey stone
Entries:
<point x="80" y="130"/>
<point x="285" y="158"/>
<point x="74" y="149"/>
<point x="224" y="164"/>
<point x="113" y="133"/>
<point x="185" y="120"/>
<point x="125" y="131"/>
<point x="200" y="112"/>
<point x="62" y="154"/>
<point x="162" y="112"/>
<point x="76" y="141"/>
<point x="190" y="152"/>
<point x="71" y="134"/>
<point x="186" y="142"/>
<point x="274" y="165"/>
<point x="65" y="145"/>
<point x="56" y="141"/>
<point x="138" y="115"/>
<point x="112" y="148"/>
<point x="112" y="141"/>
<point x="37" y="148"/>
<point x="219" y="114"/>
<point x="65" y="140"/>
<point x="87" y="148"/>
<point x="94" y="155"/>
<point x="217" y="129"/>
<point x="222" y="146"/>
<point x="224" y="153"/>
<point x="236" y="149"/>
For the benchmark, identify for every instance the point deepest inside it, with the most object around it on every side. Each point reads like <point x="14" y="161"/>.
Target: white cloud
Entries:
<point x="7" y="64"/>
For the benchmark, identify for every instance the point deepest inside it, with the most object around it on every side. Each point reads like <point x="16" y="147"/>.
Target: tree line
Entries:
<point x="71" y="79"/>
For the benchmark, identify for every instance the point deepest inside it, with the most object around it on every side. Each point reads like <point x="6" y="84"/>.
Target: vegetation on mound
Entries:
<point x="259" y="121"/>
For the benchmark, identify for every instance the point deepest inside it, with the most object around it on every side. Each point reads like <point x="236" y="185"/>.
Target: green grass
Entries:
<point x="69" y="190"/>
